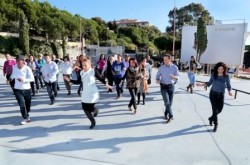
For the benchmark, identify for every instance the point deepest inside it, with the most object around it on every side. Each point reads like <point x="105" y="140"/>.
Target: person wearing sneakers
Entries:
<point x="49" y="71"/>
<point x="90" y="92"/>
<point x="22" y="75"/>
<point x="166" y="77"/>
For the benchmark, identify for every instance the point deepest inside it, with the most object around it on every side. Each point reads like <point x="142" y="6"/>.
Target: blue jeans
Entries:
<point x="191" y="77"/>
<point x="167" y="92"/>
<point x="23" y="98"/>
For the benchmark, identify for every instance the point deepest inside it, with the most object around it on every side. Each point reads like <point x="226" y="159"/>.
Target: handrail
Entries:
<point x="236" y="90"/>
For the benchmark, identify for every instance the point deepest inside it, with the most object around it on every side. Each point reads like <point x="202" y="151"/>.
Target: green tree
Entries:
<point x="200" y="41"/>
<point x="188" y="15"/>
<point x="23" y="33"/>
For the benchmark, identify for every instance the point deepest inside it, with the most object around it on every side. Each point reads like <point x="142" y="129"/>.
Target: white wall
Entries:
<point x="225" y="43"/>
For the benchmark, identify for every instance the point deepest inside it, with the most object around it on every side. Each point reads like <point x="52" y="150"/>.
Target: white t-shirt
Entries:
<point x="25" y="73"/>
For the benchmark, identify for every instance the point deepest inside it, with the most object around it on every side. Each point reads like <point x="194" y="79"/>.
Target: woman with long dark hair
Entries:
<point x="219" y="81"/>
<point x="132" y="76"/>
<point x="192" y="65"/>
<point x="108" y="70"/>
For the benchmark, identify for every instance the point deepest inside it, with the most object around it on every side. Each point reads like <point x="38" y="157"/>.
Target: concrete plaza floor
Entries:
<point x="59" y="134"/>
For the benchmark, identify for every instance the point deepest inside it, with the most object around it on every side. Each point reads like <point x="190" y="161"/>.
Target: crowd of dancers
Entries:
<point x="27" y="76"/>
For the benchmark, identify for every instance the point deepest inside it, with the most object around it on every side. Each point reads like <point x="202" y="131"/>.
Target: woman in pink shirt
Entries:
<point x="8" y="68"/>
<point x="101" y="63"/>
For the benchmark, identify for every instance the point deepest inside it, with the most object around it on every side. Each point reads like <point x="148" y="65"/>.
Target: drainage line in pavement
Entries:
<point x="216" y="143"/>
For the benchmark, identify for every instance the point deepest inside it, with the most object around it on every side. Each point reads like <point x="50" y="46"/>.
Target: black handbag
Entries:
<point x="149" y="80"/>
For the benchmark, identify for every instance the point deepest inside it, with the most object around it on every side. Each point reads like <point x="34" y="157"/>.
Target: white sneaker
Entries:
<point x="28" y="120"/>
<point x="23" y="122"/>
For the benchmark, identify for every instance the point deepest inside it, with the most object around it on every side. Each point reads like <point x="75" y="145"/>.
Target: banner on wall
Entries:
<point x="226" y="43"/>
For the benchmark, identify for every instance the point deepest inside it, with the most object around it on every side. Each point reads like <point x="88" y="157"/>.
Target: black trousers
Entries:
<point x="51" y="87"/>
<point x="23" y="98"/>
<point x="217" y="102"/>
<point x="32" y="84"/>
<point x="12" y="83"/>
<point x="88" y="108"/>
<point x="133" y="93"/>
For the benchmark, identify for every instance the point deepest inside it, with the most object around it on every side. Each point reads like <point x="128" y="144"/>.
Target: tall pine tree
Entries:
<point x="200" y="38"/>
<point x="23" y="33"/>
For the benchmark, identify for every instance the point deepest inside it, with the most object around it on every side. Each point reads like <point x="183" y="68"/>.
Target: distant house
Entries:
<point x="131" y="22"/>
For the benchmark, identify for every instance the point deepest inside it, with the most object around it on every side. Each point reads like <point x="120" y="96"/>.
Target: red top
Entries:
<point x="8" y="65"/>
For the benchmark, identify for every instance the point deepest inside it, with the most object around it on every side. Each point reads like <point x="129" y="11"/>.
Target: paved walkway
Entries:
<point x="59" y="134"/>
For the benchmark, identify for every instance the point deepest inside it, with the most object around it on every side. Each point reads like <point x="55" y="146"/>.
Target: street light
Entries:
<point x="173" y="49"/>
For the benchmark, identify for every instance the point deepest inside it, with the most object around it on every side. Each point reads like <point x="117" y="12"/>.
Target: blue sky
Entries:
<point x="154" y="11"/>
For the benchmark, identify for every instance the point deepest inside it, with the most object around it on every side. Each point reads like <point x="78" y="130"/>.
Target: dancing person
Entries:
<point x="166" y="76"/>
<point x="192" y="65"/>
<point x="118" y="70"/>
<point x="132" y="76"/>
<point x="101" y="63"/>
<point x="40" y="62"/>
<point x="50" y="71"/>
<point x="78" y="68"/>
<point x="148" y="68"/>
<point x="32" y="63"/>
<point x="143" y="82"/>
<point x="108" y="70"/>
<point x="90" y="92"/>
<point x="66" y="69"/>
<point x="149" y="60"/>
<point x="22" y="75"/>
<point x="8" y="68"/>
<point x="219" y="81"/>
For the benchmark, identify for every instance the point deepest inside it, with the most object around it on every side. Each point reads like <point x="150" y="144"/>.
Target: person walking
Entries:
<point x="192" y="66"/>
<point x="166" y="77"/>
<point x="22" y="75"/>
<point x="8" y="68"/>
<point x="50" y="71"/>
<point x="132" y="76"/>
<point x="90" y="92"/>
<point x="219" y="81"/>
<point x="66" y="69"/>
<point x="118" y="70"/>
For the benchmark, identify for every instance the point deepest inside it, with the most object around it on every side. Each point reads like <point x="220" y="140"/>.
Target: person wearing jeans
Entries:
<point x="49" y="71"/>
<point x="118" y="70"/>
<point x="166" y="77"/>
<point x="22" y="75"/>
<point x="192" y="66"/>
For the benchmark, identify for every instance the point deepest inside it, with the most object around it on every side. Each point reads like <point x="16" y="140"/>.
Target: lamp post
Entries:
<point x="173" y="49"/>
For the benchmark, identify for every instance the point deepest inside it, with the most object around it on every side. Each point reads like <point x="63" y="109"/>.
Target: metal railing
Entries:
<point x="236" y="90"/>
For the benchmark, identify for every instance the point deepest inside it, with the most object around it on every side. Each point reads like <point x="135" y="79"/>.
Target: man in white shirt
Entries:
<point x="22" y="75"/>
<point x="49" y="72"/>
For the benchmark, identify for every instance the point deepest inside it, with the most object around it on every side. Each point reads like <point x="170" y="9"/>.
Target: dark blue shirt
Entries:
<point x="220" y="83"/>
